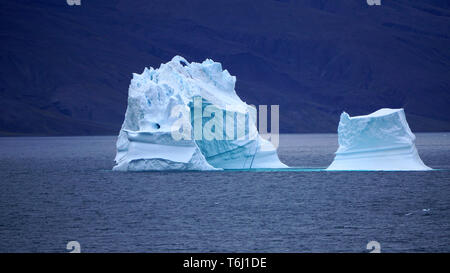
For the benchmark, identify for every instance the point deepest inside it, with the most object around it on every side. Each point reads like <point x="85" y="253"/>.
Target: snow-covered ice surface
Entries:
<point x="379" y="141"/>
<point x="153" y="114"/>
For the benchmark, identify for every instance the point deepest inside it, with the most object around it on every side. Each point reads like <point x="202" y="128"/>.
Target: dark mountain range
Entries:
<point x="65" y="70"/>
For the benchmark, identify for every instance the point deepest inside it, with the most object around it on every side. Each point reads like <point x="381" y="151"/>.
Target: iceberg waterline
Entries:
<point x="161" y="107"/>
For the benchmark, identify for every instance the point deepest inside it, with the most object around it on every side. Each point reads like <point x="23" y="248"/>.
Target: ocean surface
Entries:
<point x="59" y="189"/>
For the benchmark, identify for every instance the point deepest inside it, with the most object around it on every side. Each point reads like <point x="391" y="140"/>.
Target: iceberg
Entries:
<point x="174" y="121"/>
<point x="380" y="141"/>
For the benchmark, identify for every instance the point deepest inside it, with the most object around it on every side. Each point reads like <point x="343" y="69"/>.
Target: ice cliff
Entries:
<point x="378" y="141"/>
<point x="173" y="122"/>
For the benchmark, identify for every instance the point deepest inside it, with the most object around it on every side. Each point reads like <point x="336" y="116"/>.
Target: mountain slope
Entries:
<point x="66" y="69"/>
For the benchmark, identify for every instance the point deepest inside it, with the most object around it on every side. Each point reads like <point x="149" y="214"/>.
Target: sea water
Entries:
<point x="59" y="189"/>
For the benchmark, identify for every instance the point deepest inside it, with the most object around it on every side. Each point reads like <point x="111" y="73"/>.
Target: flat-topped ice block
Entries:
<point x="381" y="141"/>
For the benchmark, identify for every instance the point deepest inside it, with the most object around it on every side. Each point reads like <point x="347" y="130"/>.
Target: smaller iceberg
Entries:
<point x="381" y="141"/>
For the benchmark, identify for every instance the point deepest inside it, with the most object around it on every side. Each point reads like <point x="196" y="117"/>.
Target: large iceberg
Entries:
<point x="379" y="141"/>
<point x="173" y="122"/>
